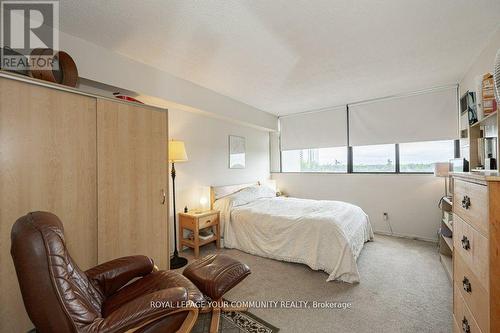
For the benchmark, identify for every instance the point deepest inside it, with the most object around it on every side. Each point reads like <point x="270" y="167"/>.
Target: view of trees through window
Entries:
<point x="421" y="156"/>
<point x="416" y="157"/>
<point x="315" y="160"/>
<point x="374" y="158"/>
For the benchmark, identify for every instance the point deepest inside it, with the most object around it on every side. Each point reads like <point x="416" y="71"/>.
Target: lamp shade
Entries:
<point x="176" y="151"/>
<point x="441" y="169"/>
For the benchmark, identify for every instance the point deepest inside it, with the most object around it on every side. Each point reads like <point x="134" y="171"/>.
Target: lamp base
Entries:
<point x="177" y="262"/>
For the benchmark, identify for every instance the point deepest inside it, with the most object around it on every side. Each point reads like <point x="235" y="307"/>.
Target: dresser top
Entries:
<point x="489" y="176"/>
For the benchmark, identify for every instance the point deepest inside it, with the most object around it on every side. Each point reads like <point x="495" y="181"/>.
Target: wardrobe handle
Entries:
<point x="465" y="325"/>
<point x="466" y="284"/>
<point x="163" y="196"/>
<point x="466" y="202"/>
<point x="465" y="243"/>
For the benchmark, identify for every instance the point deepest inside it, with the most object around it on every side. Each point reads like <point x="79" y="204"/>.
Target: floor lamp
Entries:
<point x="176" y="153"/>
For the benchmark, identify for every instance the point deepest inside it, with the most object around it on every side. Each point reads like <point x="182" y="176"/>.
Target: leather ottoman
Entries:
<point x="215" y="275"/>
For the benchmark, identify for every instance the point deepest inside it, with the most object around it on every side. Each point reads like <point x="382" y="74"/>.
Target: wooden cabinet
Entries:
<point x="194" y="222"/>
<point x="100" y="165"/>
<point x="47" y="162"/>
<point x="132" y="181"/>
<point x="477" y="251"/>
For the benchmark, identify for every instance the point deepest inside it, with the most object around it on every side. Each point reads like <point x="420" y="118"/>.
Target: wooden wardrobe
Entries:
<point x="100" y="165"/>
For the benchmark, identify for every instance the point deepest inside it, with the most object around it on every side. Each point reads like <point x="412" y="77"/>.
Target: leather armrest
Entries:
<point x="112" y="275"/>
<point x="141" y="311"/>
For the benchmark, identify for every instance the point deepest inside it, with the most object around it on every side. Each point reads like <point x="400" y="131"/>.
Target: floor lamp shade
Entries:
<point x="442" y="169"/>
<point x="177" y="151"/>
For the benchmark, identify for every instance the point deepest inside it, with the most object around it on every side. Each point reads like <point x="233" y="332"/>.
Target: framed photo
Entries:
<point x="237" y="151"/>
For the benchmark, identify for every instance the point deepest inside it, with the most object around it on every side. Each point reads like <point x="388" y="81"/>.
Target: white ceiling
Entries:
<point x="286" y="56"/>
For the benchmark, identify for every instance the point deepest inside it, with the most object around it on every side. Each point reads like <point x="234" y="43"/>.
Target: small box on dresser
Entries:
<point x="476" y="278"/>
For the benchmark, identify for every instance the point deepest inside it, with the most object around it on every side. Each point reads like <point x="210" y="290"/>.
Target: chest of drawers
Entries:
<point x="476" y="259"/>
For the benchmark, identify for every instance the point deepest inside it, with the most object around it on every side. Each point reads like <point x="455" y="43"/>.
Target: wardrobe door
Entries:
<point x="47" y="162"/>
<point x="132" y="181"/>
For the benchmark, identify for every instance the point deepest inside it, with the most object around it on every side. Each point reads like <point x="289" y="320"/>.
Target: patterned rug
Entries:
<point x="234" y="322"/>
<point x="231" y="322"/>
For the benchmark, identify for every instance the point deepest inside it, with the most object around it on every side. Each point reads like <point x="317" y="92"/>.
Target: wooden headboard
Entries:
<point x="217" y="192"/>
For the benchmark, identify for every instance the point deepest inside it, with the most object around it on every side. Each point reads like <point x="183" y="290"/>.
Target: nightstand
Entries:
<point x="195" y="222"/>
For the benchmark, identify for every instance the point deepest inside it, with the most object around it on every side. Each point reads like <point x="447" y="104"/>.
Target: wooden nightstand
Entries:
<point x="195" y="222"/>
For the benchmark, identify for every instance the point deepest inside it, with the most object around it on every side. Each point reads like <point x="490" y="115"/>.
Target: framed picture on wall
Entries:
<point x="237" y="151"/>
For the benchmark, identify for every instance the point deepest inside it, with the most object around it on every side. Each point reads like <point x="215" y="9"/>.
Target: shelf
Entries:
<point x="190" y="243"/>
<point x="485" y="119"/>
<point x="448" y="224"/>
<point x="448" y="265"/>
<point x="448" y="241"/>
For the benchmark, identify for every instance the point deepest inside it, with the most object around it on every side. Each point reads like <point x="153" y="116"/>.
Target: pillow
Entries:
<point x="266" y="192"/>
<point x="240" y="198"/>
<point x="252" y="193"/>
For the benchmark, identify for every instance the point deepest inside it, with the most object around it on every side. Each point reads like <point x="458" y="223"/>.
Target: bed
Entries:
<point x="325" y="235"/>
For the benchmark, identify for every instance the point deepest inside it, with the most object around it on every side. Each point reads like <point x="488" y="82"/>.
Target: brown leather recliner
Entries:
<point x="59" y="297"/>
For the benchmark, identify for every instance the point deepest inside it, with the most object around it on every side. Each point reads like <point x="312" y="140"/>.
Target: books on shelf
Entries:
<point x="447" y="216"/>
<point x="488" y="95"/>
<point x="203" y="234"/>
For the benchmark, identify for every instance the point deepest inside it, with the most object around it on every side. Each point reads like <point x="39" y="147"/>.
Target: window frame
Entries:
<point x="456" y="144"/>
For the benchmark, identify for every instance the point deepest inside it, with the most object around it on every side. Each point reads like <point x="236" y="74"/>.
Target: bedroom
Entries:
<point x="321" y="147"/>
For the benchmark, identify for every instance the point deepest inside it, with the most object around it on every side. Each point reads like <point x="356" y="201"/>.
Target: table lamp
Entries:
<point x="442" y="169"/>
<point x="176" y="153"/>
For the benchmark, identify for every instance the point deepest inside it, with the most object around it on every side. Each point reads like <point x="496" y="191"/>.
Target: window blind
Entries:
<point x="318" y="129"/>
<point x="428" y="116"/>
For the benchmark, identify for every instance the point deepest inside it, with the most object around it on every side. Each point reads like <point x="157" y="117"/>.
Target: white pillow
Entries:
<point x="240" y="198"/>
<point x="244" y="196"/>
<point x="249" y="194"/>
<point x="266" y="192"/>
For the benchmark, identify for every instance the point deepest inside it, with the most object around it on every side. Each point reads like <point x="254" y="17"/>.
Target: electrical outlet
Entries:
<point x="386" y="216"/>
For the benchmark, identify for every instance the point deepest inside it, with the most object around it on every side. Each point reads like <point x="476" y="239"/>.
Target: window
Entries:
<point x="315" y="160"/>
<point x="415" y="157"/>
<point x="420" y="156"/>
<point x="374" y="158"/>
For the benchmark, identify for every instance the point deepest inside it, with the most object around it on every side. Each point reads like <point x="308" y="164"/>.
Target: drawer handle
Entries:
<point x="466" y="202"/>
<point x="466" y="284"/>
<point x="208" y="221"/>
<point x="465" y="243"/>
<point x="465" y="325"/>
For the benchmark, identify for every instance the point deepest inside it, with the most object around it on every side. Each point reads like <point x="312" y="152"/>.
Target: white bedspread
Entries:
<point x="325" y="235"/>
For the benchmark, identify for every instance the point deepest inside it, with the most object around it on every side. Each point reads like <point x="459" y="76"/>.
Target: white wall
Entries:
<point x="206" y="141"/>
<point x="410" y="200"/>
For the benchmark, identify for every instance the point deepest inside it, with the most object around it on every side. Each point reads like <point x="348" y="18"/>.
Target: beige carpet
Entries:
<point x="403" y="289"/>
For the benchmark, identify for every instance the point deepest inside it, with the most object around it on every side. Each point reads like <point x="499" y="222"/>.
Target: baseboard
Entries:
<point x="430" y="240"/>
